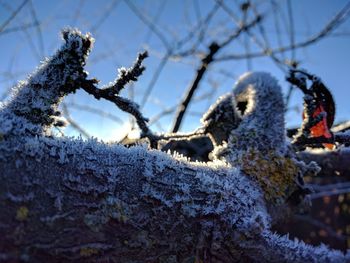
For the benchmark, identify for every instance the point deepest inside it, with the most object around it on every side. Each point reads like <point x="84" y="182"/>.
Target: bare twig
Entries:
<point x="330" y="193"/>
<point x="149" y="23"/>
<point x="329" y="187"/>
<point x="104" y="16"/>
<point x="201" y="28"/>
<point x="18" y="28"/>
<point x="38" y="29"/>
<point x="111" y="93"/>
<point x="13" y="15"/>
<point x="77" y="12"/>
<point x="154" y="79"/>
<point x="263" y="45"/>
<point x="337" y="20"/>
<point x="161" y="114"/>
<point x="73" y="123"/>
<point x="292" y="41"/>
<point x="155" y="19"/>
<point x="95" y="111"/>
<point x="213" y="49"/>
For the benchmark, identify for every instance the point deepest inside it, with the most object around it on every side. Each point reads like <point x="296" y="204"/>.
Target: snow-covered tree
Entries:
<point x="65" y="199"/>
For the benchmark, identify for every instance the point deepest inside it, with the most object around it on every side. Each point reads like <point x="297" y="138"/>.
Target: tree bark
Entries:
<point x="67" y="199"/>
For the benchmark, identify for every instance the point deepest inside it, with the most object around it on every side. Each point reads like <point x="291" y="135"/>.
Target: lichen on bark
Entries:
<point x="64" y="199"/>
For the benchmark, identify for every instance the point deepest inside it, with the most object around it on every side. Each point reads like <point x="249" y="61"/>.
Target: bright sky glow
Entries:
<point x="120" y="33"/>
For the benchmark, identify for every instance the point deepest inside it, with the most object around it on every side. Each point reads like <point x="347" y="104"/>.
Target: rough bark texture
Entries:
<point x="74" y="200"/>
<point x="67" y="199"/>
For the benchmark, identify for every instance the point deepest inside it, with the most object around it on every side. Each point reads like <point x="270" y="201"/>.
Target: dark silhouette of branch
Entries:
<point x="319" y="110"/>
<point x="73" y="123"/>
<point x="338" y="19"/>
<point x="111" y="93"/>
<point x="18" y="28"/>
<point x="209" y="58"/>
<point x="149" y="23"/>
<point x="38" y="29"/>
<point x="13" y="15"/>
<point x="154" y="79"/>
<point x="107" y="12"/>
<point x="95" y="110"/>
<point x="213" y="48"/>
<point x="172" y="51"/>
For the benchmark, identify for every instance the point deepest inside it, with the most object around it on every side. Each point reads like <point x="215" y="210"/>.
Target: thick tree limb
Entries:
<point x="111" y="92"/>
<point x="67" y="200"/>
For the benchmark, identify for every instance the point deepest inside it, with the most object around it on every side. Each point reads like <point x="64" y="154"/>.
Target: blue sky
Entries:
<point x="120" y="34"/>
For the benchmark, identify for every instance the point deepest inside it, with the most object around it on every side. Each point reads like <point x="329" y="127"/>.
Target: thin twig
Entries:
<point x="38" y="29"/>
<point x="264" y="46"/>
<point x="72" y="122"/>
<point x="154" y="79"/>
<point x="111" y="93"/>
<point x="97" y="111"/>
<point x="149" y="23"/>
<point x="337" y="20"/>
<point x="329" y="187"/>
<point x="107" y="12"/>
<point x="18" y="28"/>
<point x="13" y="15"/>
<point x="213" y="49"/>
<point x="329" y="193"/>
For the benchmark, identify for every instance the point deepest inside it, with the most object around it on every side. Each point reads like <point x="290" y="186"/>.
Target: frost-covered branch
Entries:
<point x="111" y="93"/>
<point x="33" y="107"/>
<point x="109" y="202"/>
<point x="67" y="199"/>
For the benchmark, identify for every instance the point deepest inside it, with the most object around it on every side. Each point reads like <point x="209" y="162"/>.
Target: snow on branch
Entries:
<point x="111" y="93"/>
<point x="72" y="200"/>
<point x="33" y="107"/>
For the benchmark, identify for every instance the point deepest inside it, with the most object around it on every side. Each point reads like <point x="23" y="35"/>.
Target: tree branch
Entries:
<point x="209" y="58"/>
<point x="69" y="200"/>
<point x="337" y="20"/>
<point x="111" y="93"/>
